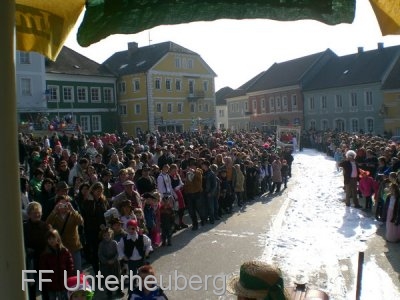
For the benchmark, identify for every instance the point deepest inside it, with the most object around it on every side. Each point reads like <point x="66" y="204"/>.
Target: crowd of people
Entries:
<point x="371" y="173"/>
<point x="110" y="201"/>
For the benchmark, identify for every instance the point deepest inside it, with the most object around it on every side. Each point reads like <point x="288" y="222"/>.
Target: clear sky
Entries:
<point x="239" y="50"/>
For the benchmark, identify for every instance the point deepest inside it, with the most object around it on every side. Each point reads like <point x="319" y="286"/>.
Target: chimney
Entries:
<point x="380" y="46"/>
<point x="360" y="49"/>
<point x="132" y="47"/>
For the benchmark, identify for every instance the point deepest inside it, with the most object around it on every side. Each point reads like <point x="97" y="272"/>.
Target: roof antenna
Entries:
<point x="149" y="38"/>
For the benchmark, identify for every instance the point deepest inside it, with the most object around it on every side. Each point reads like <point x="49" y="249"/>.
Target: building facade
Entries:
<point x="80" y="92"/>
<point x="163" y="87"/>
<point x="31" y="88"/>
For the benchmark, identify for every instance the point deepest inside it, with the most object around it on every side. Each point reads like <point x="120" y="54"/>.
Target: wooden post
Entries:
<point x="359" y="274"/>
<point x="11" y="251"/>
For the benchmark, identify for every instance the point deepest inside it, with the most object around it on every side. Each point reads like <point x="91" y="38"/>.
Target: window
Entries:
<point x="236" y="107"/>
<point x="136" y="85"/>
<point x="192" y="108"/>
<point x="324" y="103"/>
<point x="137" y="109"/>
<point x="52" y="91"/>
<point x="180" y="108"/>
<point x="205" y="85"/>
<point x="271" y="104"/>
<point x="294" y="101"/>
<point x="168" y="84"/>
<point x="96" y="123"/>
<point x="200" y="108"/>
<point x="254" y="107"/>
<point x="206" y="108"/>
<point x="191" y="87"/>
<point x="338" y="103"/>
<point x="353" y="102"/>
<point x="263" y="104"/>
<point x="354" y="125"/>
<point x="95" y="94"/>
<point x="178" y="84"/>
<point x="108" y="95"/>
<point x="85" y="123"/>
<point x="82" y="94"/>
<point x="312" y="103"/>
<point x="158" y="107"/>
<point x="169" y="107"/>
<point x="368" y="98"/>
<point x="221" y="113"/>
<point x="26" y="89"/>
<point x="284" y="103"/>
<point x="246" y="106"/>
<point x="231" y="107"/>
<point x="278" y="103"/>
<point x="190" y="63"/>
<point x="68" y="94"/>
<point x="178" y="62"/>
<point x="339" y="125"/>
<point x="24" y="58"/>
<point x="121" y="87"/>
<point x="122" y="110"/>
<point x="157" y="83"/>
<point x="313" y="124"/>
<point x="324" y="125"/>
<point x="370" y="125"/>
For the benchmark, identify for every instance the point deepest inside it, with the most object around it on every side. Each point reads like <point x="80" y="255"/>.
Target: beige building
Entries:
<point x="163" y="87"/>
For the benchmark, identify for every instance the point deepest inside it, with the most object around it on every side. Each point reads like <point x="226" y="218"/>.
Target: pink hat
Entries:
<point x="77" y="284"/>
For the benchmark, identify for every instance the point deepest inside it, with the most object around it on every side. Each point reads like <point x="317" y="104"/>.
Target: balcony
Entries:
<point x="195" y="95"/>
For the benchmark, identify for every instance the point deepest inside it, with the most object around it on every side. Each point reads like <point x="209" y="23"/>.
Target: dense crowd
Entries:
<point x="109" y="201"/>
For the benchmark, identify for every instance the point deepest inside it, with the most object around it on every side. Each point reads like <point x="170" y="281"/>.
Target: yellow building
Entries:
<point x="390" y="109"/>
<point x="163" y="87"/>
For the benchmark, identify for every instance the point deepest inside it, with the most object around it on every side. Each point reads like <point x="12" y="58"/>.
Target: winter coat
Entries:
<point x="70" y="234"/>
<point x="58" y="261"/>
<point x="238" y="182"/>
<point x="366" y="186"/>
<point x="276" y="171"/>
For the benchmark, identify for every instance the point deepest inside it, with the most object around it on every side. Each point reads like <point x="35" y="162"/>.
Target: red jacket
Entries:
<point x="58" y="261"/>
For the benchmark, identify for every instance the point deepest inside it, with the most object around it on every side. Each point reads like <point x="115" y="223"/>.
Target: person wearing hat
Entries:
<point x="79" y="288"/>
<point x="350" y="176"/>
<point x="129" y="193"/>
<point x="135" y="247"/>
<point x="258" y="280"/>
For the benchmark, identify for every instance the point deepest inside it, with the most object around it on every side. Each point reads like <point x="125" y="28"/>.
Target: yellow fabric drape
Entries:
<point x="43" y="25"/>
<point x="388" y="15"/>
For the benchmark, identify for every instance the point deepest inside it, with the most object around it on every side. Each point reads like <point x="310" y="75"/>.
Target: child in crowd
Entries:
<point x="108" y="257"/>
<point x="56" y="258"/>
<point x="126" y="213"/>
<point x="135" y="247"/>
<point x="367" y="186"/>
<point x="80" y="290"/>
<point x="284" y="172"/>
<point x="147" y="292"/>
<point x="167" y="217"/>
<point x="139" y="214"/>
<point x="383" y="191"/>
<point x="149" y="213"/>
<point x="338" y="157"/>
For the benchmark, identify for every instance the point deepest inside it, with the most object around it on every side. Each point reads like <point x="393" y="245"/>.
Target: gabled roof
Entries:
<point x="220" y="95"/>
<point x="142" y="59"/>
<point x="73" y="63"/>
<point x="242" y="90"/>
<point x="393" y="79"/>
<point x="360" y="68"/>
<point x="289" y="72"/>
